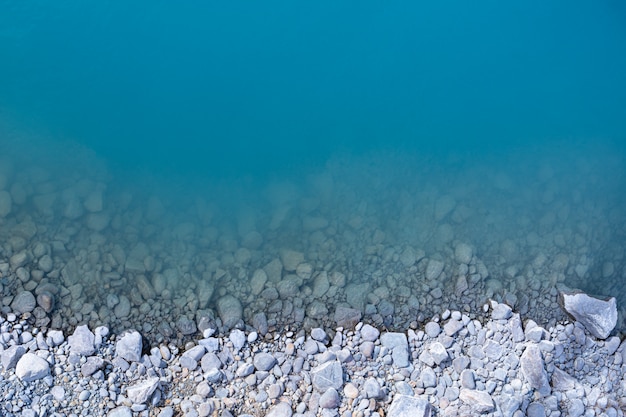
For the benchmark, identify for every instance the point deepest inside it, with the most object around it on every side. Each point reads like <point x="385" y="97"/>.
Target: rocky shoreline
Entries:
<point x="455" y="366"/>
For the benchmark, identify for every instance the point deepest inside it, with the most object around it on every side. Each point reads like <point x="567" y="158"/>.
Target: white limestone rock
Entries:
<point x="599" y="317"/>
<point x="31" y="367"/>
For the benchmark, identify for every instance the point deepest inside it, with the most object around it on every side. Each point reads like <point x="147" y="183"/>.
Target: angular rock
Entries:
<point x="31" y="367"/>
<point x="327" y="375"/>
<point x="291" y="259"/>
<point x="533" y="369"/>
<point x="92" y="365"/>
<point x="373" y="389"/>
<point x="11" y="355"/>
<point x="230" y="310"/>
<point x="369" y="333"/>
<point x="141" y="392"/>
<point x="599" y="317"/>
<point x="409" y="406"/>
<point x="330" y="399"/>
<point x="501" y="311"/>
<point x="480" y="401"/>
<point x="438" y="352"/>
<point x="82" y="341"/>
<point x="121" y="411"/>
<point x="129" y="346"/>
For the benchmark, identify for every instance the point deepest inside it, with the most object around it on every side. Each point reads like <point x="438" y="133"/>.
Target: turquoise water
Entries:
<point x="326" y="128"/>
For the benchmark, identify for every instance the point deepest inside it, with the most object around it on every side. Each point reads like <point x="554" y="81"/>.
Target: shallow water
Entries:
<point x="168" y="155"/>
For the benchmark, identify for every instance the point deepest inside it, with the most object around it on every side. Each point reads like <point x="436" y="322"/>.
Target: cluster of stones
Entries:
<point x="455" y="366"/>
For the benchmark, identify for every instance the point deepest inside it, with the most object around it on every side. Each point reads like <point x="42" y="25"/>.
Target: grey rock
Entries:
<point x="122" y="309"/>
<point x="330" y="399"/>
<point x="210" y="361"/>
<point x="196" y="352"/>
<point x="141" y="392"/>
<point x="259" y="322"/>
<point x="501" y="311"/>
<point x="536" y="410"/>
<point x="432" y="329"/>
<point x="611" y="345"/>
<point x="598" y="316"/>
<point x="263" y="361"/>
<point x="409" y="406"/>
<point x="460" y="363"/>
<point x="452" y="327"/>
<point x="327" y="375"/>
<point x="166" y="412"/>
<point x="244" y="370"/>
<point x="347" y="317"/>
<point x="238" y="338"/>
<point x="576" y="408"/>
<point x="56" y="337"/>
<point x="438" y="352"/>
<point x="428" y="378"/>
<point x="372" y="389"/>
<point x="24" y="302"/>
<point x="319" y="334"/>
<point x="82" y="341"/>
<point x="188" y="362"/>
<point x="515" y="326"/>
<point x="230" y="311"/>
<point x="467" y="379"/>
<point x="562" y="381"/>
<point x="356" y="294"/>
<point x="509" y="404"/>
<point x="186" y="326"/>
<point x="11" y="355"/>
<point x="129" y="346"/>
<point x="31" y="367"/>
<point x="399" y="346"/>
<point x="121" y="411"/>
<point x="533" y="369"/>
<point x="479" y="401"/>
<point x="369" y="333"/>
<point x="282" y="409"/>
<point x="433" y="269"/>
<point x="92" y="365"/>
<point x="493" y="350"/>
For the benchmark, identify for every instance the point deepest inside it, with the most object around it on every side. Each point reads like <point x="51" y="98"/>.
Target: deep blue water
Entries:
<point x="253" y="86"/>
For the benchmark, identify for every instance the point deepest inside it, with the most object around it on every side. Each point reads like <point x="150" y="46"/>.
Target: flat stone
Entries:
<point x="92" y="365"/>
<point x="409" y="406"/>
<point x="562" y="381"/>
<point x="536" y="410"/>
<point x="467" y="379"/>
<point x="327" y="375"/>
<point x="141" y="392"/>
<point x="433" y="269"/>
<point x="31" y="367"/>
<point x="129" y="346"/>
<point x="82" y="341"/>
<point x="480" y="401"/>
<point x="238" y="338"/>
<point x="599" y="317"/>
<point x="533" y="369"/>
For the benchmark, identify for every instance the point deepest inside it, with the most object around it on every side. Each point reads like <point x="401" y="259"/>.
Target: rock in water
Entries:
<point x="598" y="316"/>
<point x="230" y="310"/>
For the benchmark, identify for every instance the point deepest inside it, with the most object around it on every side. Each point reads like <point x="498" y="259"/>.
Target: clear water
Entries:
<point x="347" y="132"/>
